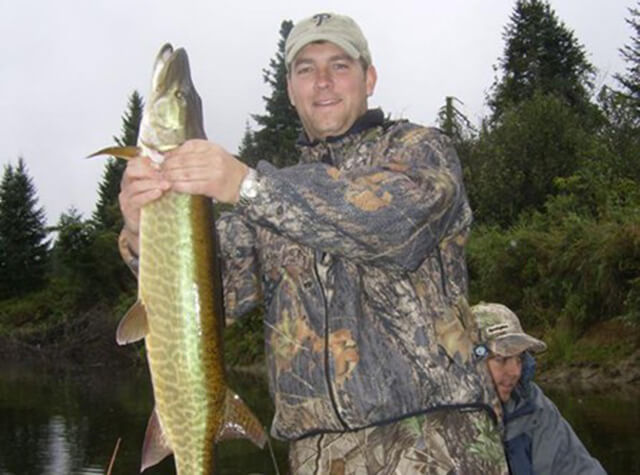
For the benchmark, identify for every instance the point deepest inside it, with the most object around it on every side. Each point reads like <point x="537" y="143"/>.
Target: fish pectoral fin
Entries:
<point x="239" y="422"/>
<point x="126" y="152"/>
<point x="133" y="326"/>
<point x="155" y="447"/>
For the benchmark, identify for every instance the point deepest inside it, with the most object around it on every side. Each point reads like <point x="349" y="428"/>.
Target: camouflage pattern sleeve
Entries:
<point x="240" y="277"/>
<point x="385" y="202"/>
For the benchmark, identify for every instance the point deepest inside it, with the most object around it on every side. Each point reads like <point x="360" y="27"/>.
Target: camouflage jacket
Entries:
<point x="358" y="254"/>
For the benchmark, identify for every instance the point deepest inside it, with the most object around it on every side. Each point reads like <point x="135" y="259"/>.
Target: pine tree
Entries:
<point x="280" y="126"/>
<point x="23" y="234"/>
<point x="248" y="150"/>
<point x="541" y="55"/>
<point x="107" y="213"/>
<point x="453" y="122"/>
<point x="631" y="55"/>
<point x="621" y="110"/>
<point x="73" y="242"/>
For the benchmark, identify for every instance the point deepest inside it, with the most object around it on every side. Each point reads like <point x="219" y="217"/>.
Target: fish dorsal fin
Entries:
<point x="156" y="446"/>
<point x="133" y="326"/>
<point x="239" y="422"/>
<point x="126" y="152"/>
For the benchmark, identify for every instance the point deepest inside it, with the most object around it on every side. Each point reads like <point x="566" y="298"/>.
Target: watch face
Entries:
<point x="249" y="186"/>
<point x="252" y="188"/>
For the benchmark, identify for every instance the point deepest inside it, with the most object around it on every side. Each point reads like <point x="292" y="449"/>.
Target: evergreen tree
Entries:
<point x="280" y="127"/>
<point x="453" y="122"/>
<point x="248" y="149"/>
<point x="107" y="213"/>
<point x="631" y="55"/>
<point x="23" y="234"/>
<point x="72" y="244"/>
<point x="621" y="110"/>
<point x="541" y="55"/>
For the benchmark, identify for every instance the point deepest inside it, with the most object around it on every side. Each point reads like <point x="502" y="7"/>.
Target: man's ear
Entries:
<point x="371" y="79"/>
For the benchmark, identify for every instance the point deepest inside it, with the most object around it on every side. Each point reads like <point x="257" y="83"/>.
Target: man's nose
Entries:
<point x="323" y="78"/>
<point x="514" y="367"/>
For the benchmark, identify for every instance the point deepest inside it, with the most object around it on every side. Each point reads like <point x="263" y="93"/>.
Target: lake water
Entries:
<point x="69" y="423"/>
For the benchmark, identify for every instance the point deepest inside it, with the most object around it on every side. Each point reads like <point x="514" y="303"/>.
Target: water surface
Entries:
<point x="62" y="423"/>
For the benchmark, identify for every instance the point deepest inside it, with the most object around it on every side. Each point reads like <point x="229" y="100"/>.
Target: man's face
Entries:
<point x="329" y="89"/>
<point x="506" y="372"/>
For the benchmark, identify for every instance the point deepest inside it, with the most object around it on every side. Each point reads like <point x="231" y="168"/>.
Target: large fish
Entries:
<point x="179" y="312"/>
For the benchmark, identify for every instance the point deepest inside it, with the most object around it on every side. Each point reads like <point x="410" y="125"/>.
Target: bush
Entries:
<point x="551" y="266"/>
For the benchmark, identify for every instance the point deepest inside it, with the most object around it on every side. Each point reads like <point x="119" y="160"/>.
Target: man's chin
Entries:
<point x="505" y="394"/>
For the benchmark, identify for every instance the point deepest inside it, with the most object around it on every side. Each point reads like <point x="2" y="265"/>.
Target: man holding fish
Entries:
<point x="357" y="253"/>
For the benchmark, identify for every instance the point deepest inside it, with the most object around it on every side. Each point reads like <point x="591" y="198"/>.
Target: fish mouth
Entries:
<point x="156" y="152"/>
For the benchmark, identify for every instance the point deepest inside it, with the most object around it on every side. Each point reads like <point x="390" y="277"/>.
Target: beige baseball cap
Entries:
<point x="501" y="331"/>
<point x="340" y="30"/>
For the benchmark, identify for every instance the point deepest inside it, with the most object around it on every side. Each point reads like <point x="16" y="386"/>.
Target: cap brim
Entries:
<point x="300" y="43"/>
<point x="516" y="343"/>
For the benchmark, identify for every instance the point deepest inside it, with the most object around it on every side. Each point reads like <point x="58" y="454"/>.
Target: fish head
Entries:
<point x="173" y="112"/>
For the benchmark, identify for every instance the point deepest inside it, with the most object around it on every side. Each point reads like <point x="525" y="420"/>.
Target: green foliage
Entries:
<point x="511" y="168"/>
<point x="561" y="267"/>
<point x="106" y="215"/>
<point x="541" y="55"/>
<point x="561" y="347"/>
<point x="280" y="127"/>
<point x="86" y="260"/>
<point x="244" y="340"/>
<point x="23" y="235"/>
<point x="621" y="132"/>
<point x="611" y="341"/>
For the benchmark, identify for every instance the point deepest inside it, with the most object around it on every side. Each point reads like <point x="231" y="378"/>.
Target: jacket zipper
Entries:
<point x="326" y="344"/>
<point x="443" y="277"/>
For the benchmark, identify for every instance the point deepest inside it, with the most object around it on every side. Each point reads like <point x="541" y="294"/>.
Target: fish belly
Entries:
<point x="179" y="287"/>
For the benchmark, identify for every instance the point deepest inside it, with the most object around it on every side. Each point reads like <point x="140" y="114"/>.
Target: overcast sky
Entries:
<point x="68" y="67"/>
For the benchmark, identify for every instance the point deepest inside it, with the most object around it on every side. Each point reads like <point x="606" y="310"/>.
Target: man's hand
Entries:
<point x="200" y="167"/>
<point x="142" y="182"/>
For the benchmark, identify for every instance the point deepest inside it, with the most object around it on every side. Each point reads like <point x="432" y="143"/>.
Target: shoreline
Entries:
<point x="592" y="376"/>
<point x="579" y="375"/>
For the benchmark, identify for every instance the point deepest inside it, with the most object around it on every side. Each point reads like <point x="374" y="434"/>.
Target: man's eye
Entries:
<point x="341" y="66"/>
<point x="500" y="359"/>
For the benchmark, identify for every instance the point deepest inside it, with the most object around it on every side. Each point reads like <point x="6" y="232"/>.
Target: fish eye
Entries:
<point x="179" y="94"/>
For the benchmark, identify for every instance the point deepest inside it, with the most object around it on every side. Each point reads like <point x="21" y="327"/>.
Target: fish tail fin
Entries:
<point x="239" y="422"/>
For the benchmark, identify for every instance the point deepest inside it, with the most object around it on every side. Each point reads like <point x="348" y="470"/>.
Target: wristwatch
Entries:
<point x="249" y="187"/>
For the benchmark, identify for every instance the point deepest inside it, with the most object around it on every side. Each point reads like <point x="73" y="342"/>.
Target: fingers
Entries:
<point x="141" y="168"/>
<point x="204" y="168"/>
<point x="142" y="182"/>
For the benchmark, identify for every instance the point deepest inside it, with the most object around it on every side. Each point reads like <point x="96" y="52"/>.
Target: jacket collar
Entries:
<point x="371" y="118"/>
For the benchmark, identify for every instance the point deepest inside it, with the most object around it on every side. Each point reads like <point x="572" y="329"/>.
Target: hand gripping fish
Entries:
<point x="179" y="312"/>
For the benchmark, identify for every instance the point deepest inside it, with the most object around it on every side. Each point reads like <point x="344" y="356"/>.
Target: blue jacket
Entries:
<point x="538" y="440"/>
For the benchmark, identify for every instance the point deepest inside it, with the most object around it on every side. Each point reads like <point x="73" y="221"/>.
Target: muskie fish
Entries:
<point x="179" y="312"/>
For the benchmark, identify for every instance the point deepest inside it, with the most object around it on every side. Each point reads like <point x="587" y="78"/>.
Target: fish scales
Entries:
<point x="181" y="345"/>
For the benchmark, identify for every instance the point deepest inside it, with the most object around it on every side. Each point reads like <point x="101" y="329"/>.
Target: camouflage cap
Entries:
<point x="338" y="29"/>
<point x="501" y="331"/>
